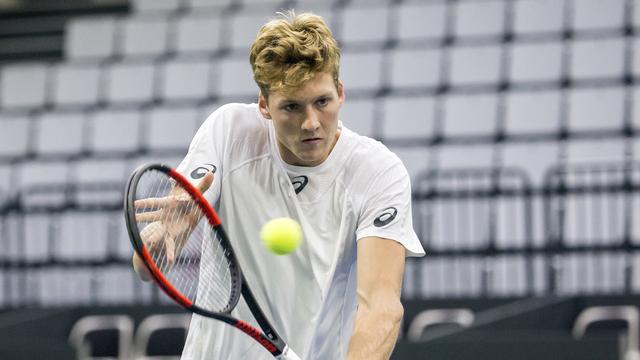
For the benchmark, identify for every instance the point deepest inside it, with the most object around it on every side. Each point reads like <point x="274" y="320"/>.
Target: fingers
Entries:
<point x="160" y="202"/>
<point x="160" y="243"/>
<point x="152" y="234"/>
<point x="152" y="202"/>
<point x="149" y="216"/>
<point x="170" y="250"/>
<point x="206" y="182"/>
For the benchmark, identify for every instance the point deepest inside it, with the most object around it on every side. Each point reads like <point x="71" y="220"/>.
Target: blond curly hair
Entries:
<point x="289" y="51"/>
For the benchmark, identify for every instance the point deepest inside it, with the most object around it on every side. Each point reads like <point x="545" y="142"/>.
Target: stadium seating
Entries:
<point x="498" y="109"/>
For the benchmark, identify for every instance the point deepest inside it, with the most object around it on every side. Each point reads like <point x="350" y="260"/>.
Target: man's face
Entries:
<point x="306" y="121"/>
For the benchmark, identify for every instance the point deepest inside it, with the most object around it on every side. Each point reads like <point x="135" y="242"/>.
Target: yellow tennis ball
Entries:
<point x="281" y="235"/>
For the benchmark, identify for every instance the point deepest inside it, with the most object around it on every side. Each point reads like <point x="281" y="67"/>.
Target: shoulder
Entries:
<point x="236" y="117"/>
<point x="369" y="157"/>
<point x="372" y="170"/>
<point x="236" y="127"/>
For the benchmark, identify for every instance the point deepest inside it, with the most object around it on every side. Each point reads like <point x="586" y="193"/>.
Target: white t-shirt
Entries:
<point x="362" y="189"/>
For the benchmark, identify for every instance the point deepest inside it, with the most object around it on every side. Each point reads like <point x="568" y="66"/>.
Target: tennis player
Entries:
<point x="338" y="295"/>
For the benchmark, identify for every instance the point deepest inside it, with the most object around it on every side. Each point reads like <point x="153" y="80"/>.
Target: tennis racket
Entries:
<point x="178" y="236"/>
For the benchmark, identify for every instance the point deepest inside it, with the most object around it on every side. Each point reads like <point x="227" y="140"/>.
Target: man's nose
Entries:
<point x="311" y="122"/>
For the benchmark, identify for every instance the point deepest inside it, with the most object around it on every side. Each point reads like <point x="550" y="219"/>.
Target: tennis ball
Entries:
<point x="281" y="235"/>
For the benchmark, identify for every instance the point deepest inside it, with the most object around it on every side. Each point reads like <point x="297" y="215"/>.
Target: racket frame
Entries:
<point x="268" y="338"/>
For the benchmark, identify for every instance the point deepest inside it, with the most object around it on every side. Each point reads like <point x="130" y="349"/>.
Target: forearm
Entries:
<point x="375" y="332"/>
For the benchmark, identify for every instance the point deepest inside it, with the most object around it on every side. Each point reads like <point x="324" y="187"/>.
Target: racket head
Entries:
<point x="179" y="238"/>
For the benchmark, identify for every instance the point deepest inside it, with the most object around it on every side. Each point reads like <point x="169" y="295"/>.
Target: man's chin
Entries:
<point x="310" y="160"/>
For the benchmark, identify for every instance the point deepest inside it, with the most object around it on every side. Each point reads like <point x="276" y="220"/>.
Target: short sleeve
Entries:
<point x="205" y="154"/>
<point x="386" y="210"/>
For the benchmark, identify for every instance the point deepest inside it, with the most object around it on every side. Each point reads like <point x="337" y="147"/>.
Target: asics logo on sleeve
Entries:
<point x="386" y="217"/>
<point x="199" y="172"/>
<point x="299" y="182"/>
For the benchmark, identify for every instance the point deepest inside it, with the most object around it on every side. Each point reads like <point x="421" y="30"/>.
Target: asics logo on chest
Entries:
<point x="299" y="183"/>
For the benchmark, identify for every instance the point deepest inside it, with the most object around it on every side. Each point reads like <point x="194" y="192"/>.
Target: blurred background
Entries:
<point x="515" y="118"/>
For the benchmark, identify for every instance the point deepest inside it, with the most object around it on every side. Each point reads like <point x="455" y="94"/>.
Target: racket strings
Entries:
<point x="182" y="243"/>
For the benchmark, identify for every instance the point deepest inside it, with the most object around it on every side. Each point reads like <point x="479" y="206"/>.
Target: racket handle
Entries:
<point x="288" y="354"/>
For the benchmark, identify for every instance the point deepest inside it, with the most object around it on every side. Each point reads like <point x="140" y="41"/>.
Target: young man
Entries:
<point x="338" y="295"/>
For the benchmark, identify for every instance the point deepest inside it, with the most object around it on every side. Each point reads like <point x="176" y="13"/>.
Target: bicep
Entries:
<point x="380" y="268"/>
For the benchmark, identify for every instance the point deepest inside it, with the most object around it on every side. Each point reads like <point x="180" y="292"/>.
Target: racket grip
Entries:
<point x="288" y="354"/>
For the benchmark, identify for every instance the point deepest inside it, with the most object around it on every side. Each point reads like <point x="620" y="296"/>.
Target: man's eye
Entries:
<point x="291" y="107"/>
<point x="322" y="102"/>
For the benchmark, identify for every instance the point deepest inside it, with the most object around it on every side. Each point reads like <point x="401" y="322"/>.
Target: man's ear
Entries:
<point x="340" y="91"/>
<point x="263" y="106"/>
